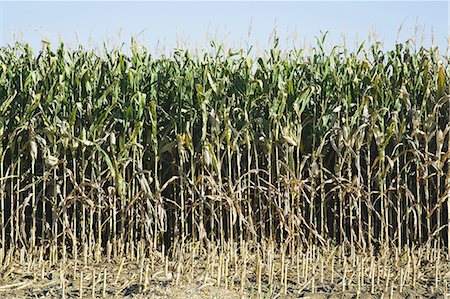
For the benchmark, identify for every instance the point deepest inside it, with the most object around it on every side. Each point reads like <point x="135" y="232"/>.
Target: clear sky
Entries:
<point x="192" y="24"/>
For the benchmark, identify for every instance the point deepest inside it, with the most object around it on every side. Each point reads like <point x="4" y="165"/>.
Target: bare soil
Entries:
<point x="157" y="279"/>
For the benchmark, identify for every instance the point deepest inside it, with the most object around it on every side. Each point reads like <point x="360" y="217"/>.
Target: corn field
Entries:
<point x="121" y="155"/>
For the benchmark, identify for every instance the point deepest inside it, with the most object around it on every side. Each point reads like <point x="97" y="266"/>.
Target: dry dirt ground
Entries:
<point x="160" y="280"/>
<point x="129" y="280"/>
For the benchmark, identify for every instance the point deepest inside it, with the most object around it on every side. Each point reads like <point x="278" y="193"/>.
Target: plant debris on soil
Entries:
<point x="316" y="274"/>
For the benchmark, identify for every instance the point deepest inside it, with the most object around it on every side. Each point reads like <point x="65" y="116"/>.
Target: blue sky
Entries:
<point x="191" y="24"/>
